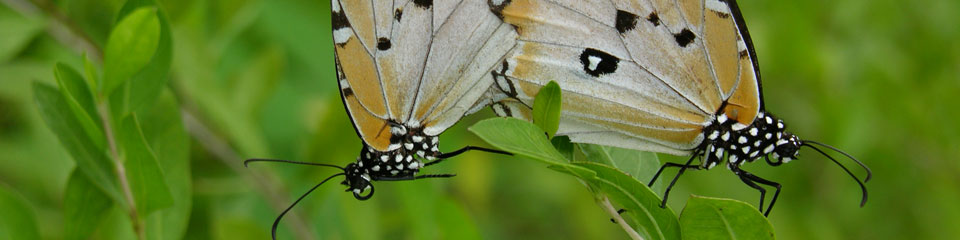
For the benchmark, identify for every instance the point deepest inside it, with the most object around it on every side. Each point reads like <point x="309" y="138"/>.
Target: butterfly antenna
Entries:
<point x="864" y="166"/>
<point x="248" y="161"/>
<point x="273" y="231"/>
<point x="863" y="188"/>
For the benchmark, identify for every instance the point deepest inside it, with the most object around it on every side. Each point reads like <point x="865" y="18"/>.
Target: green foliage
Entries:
<point x="518" y="137"/>
<point x="547" y="107"/>
<point x="523" y="139"/>
<point x="17" y="31"/>
<point x="117" y="165"/>
<point x="144" y="86"/>
<point x="714" y="218"/>
<point x="17" y="220"/>
<point x="613" y="173"/>
<point x="84" y="207"/>
<point x="638" y="164"/>
<point x="259" y="77"/>
<point x="643" y="206"/>
<point x="149" y="187"/>
<point x="130" y="47"/>
<point x="90" y="159"/>
<point x="80" y="100"/>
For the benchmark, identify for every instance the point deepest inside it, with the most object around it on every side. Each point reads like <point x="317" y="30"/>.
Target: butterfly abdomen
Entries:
<point x="403" y="161"/>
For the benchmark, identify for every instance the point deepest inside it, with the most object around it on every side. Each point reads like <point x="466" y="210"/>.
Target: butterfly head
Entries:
<point x="787" y="148"/>
<point x="357" y="181"/>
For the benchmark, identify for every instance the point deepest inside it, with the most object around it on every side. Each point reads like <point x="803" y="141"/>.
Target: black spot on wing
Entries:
<point x="347" y="92"/>
<point x="722" y="15"/>
<point x="743" y="54"/>
<point x="383" y="44"/>
<point x="685" y="37"/>
<point x="502" y="110"/>
<point x="654" y="18"/>
<point x="425" y="4"/>
<point x="398" y="14"/>
<point x="497" y="9"/>
<point x="339" y="20"/>
<point x="504" y="84"/>
<point x="626" y="21"/>
<point x="596" y="62"/>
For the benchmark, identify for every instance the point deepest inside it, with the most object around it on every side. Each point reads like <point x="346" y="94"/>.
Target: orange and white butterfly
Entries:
<point x="669" y="76"/>
<point x="407" y="71"/>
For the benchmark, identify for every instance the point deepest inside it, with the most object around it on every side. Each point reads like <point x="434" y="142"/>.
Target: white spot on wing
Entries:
<point x="594" y="61"/>
<point x="340" y="36"/>
<point x="718" y="6"/>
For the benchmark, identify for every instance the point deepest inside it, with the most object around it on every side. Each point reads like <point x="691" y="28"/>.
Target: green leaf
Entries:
<point x="638" y="164"/>
<point x="17" y="220"/>
<point x="80" y="99"/>
<point x="547" y="107"/>
<point x="715" y="218"/>
<point x="84" y="206"/>
<point x="90" y="73"/>
<point x="518" y="137"/>
<point x="149" y="187"/>
<point x="144" y="86"/>
<point x="642" y="205"/>
<point x="131" y="45"/>
<point x="163" y="129"/>
<point x="92" y="161"/>
<point x="564" y="146"/>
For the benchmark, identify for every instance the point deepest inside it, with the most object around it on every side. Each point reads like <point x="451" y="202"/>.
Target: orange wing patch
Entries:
<point x="361" y="73"/>
<point x="720" y="37"/>
<point x="360" y="14"/>
<point x="374" y="130"/>
<point x="744" y="104"/>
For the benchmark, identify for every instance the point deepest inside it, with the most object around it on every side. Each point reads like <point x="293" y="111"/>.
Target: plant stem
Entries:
<point x="607" y="206"/>
<point x="104" y="110"/>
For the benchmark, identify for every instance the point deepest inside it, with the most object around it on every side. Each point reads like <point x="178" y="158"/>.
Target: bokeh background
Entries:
<point x="879" y="79"/>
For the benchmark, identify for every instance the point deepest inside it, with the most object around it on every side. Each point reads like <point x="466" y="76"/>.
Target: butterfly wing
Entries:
<point x="465" y="49"/>
<point x="635" y="71"/>
<point x="413" y="62"/>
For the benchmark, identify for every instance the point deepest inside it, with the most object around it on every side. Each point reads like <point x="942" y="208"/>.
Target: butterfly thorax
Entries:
<point x="402" y="160"/>
<point x="740" y="143"/>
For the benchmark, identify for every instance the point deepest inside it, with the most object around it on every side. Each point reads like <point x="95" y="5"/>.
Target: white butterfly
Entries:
<point x="669" y="76"/>
<point x="407" y="71"/>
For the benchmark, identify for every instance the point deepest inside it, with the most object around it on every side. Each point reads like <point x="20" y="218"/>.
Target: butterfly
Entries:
<point x="407" y="71"/>
<point x="677" y="77"/>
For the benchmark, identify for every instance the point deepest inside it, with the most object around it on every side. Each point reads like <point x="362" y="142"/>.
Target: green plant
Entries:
<point x="124" y="132"/>
<point x="613" y="175"/>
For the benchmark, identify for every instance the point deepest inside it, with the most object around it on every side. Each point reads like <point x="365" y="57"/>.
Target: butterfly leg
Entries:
<point x="752" y="180"/>
<point x="683" y="168"/>
<point x="768" y="183"/>
<point x="665" y="165"/>
<point x="620" y="212"/>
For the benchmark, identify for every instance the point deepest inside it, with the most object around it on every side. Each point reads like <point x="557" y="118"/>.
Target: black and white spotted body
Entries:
<point x="740" y="144"/>
<point x="401" y="163"/>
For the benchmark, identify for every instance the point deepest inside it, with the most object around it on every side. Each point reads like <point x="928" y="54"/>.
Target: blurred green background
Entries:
<point x="879" y="79"/>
